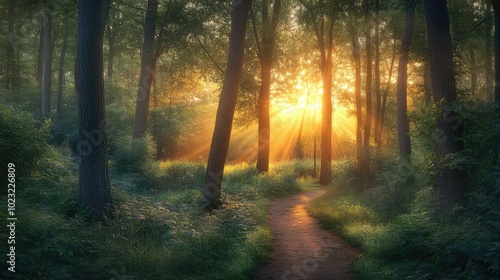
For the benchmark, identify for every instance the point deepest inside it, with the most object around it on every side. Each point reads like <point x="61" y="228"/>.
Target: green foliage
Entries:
<point x="134" y="155"/>
<point x="397" y="225"/>
<point x="166" y="126"/>
<point x="22" y="141"/>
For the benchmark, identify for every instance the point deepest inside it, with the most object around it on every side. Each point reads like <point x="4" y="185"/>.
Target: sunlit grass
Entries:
<point x="159" y="231"/>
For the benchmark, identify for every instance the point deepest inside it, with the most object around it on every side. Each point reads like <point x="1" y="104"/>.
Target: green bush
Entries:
<point x="134" y="155"/>
<point x="22" y="141"/>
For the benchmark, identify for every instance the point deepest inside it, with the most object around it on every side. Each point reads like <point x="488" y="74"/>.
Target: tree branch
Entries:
<point x="211" y="57"/>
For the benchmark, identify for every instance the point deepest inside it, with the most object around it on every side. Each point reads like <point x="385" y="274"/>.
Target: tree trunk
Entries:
<point x="94" y="193"/>
<point x="402" y="108"/>
<point x="451" y="182"/>
<point x="61" y="71"/>
<point x="264" y="118"/>
<point x="427" y="84"/>
<point x="496" y="7"/>
<point x="148" y="68"/>
<point x="386" y="93"/>
<point x="227" y="104"/>
<point x="47" y="72"/>
<point x="266" y="58"/>
<point x="39" y="65"/>
<point x="359" y="110"/>
<point x="325" y="176"/>
<point x="488" y="55"/>
<point x="378" y="105"/>
<point x="365" y="166"/>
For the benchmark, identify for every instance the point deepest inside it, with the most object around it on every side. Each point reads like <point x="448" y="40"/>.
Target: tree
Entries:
<point x="148" y="68"/>
<point x="451" y="182"/>
<point x="356" y="53"/>
<point x="48" y="51"/>
<point x="402" y="108"/>
<point x="320" y="17"/>
<point x="227" y="104"/>
<point x="60" y="75"/>
<point x="94" y="194"/>
<point x="378" y="97"/>
<point x="265" y="53"/>
<point x="368" y="87"/>
<point x="496" y="8"/>
<point x="488" y="56"/>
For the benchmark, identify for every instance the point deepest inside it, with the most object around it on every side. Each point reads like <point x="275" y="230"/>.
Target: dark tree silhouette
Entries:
<point x="451" y="182"/>
<point x="402" y="108"/>
<point x="227" y="105"/>
<point x="148" y="68"/>
<point x="93" y="183"/>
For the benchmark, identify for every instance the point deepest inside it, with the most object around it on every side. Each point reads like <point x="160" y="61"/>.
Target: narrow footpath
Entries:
<point x="303" y="250"/>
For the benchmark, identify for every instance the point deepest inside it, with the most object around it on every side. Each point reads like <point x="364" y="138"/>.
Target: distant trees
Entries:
<point x="320" y="16"/>
<point x="402" y="108"/>
<point x="451" y="182"/>
<point x="227" y="104"/>
<point x="94" y="194"/>
<point x="48" y="51"/>
<point x="148" y="68"/>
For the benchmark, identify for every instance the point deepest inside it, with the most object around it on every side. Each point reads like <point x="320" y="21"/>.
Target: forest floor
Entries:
<point x="302" y="249"/>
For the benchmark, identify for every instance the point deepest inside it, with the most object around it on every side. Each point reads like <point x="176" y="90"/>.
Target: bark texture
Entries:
<point x="94" y="193"/>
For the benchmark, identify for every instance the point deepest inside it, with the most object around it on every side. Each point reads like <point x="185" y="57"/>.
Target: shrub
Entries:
<point x="22" y="141"/>
<point x="134" y="155"/>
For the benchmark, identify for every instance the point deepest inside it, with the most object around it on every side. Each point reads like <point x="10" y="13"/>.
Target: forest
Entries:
<point x="240" y="139"/>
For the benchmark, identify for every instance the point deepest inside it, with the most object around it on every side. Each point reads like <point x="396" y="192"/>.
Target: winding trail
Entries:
<point x="302" y="250"/>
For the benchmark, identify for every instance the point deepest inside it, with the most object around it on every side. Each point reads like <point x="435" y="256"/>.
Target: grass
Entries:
<point x="159" y="231"/>
<point x="396" y="226"/>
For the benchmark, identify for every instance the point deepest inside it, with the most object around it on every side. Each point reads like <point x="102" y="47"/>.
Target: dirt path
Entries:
<point x="302" y="250"/>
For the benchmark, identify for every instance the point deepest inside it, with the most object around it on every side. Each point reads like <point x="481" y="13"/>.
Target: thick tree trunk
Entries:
<point x="451" y="182"/>
<point x="47" y="72"/>
<point x="148" y="69"/>
<point x="359" y="110"/>
<point x="402" y="108"/>
<point x="94" y="193"/>
<point x="60" y="75"/>
<point x="227" y="104"/>
<point x="378" y="97"/>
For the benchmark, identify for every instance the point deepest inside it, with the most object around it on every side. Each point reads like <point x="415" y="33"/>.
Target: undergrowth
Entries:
<point x="159" y="230"/>
<point x="396" y="222"/>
